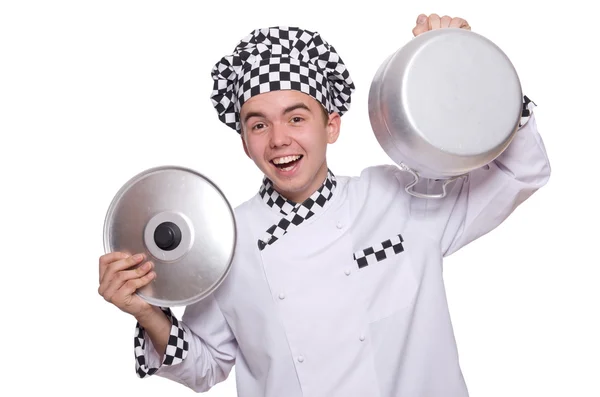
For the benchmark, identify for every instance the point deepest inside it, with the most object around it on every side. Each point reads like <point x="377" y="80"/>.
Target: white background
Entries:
<point x="93" y="92"/>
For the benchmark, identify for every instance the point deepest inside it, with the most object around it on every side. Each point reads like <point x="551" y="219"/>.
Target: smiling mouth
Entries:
<point x="286" y="163"/>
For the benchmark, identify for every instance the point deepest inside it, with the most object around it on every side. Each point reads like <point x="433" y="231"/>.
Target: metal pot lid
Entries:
<point x="455" y="90"/>
<point x="183" y="223"/>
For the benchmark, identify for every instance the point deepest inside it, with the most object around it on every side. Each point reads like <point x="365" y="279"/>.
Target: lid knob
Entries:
<point x="167" y="236"/>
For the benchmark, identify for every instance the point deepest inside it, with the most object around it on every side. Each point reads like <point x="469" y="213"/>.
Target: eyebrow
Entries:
<point x="252" y="114"/>
<point x="289" y="109"/>
<point x="298" y="105"/>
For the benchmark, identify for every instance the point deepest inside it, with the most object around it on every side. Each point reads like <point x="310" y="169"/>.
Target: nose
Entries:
<point x="279" y="136"/>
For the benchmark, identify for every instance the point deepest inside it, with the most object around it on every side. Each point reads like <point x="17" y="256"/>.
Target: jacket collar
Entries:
<point x="294" y="213"/>
<point x="285" y="206"/>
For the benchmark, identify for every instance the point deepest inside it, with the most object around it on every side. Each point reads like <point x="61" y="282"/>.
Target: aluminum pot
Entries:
<point x="183" y="223"/>
<point x="446" y="103"/>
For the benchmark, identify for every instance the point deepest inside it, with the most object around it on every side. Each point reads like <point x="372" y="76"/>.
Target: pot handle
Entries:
<point x="409" y="187"/>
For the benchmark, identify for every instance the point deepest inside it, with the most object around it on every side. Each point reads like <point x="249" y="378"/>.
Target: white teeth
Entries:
<point x="286" y="159"/>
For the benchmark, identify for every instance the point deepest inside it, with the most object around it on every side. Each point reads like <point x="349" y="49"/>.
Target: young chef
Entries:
<point x="336" y="287"/>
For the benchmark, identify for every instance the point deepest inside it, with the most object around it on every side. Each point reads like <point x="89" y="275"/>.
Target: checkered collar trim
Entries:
<point x="294" y="213"/>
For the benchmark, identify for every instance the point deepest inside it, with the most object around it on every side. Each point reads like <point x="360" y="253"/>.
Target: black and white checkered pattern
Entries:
<point x="280" y="58"/>
<point x="527" y="111"/>
<point x="176" y="352"/>
<point x="273" y="199"/>
<point x="379" y="252"/>
<point x="295" y="213"/>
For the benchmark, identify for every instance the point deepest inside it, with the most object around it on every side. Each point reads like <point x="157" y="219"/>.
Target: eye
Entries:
<point x="258" y="126"/>
<point x="297" y="119"/>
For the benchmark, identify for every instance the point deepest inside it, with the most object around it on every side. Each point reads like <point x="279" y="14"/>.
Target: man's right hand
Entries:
<point x="119" y="281"/>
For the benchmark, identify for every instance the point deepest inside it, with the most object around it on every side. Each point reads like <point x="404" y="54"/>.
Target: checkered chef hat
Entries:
<point x="279" y="58"/>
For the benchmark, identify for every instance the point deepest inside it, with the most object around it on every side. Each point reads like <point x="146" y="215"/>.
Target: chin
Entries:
<point x="290" y="186"/>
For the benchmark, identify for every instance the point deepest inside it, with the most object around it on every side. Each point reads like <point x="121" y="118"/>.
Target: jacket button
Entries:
<point x="300" y="359"/>
<point x="339" y="225"/>
<point x="362" y="338"/>
<point x="347" y="272"/>
<point x="282" y="296"/>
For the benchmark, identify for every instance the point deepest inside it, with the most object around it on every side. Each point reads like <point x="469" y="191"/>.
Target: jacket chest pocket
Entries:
<point x="386" y="278"/>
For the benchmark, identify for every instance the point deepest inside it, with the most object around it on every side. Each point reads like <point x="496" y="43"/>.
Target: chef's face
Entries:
<point x="286" y="134"/>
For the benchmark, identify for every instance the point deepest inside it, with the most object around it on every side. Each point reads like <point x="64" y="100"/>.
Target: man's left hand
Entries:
<point x="426" y="23"/>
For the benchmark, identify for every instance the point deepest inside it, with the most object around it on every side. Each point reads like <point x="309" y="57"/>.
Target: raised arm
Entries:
<point x="479" y="204"/>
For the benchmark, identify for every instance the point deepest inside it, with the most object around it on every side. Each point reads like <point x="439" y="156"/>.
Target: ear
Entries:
<point x="244" y="144"/>
<point x="333" y="127"/>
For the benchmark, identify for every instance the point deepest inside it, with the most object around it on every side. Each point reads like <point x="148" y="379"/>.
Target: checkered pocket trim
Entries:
<point x="177" y="346"/>
<point x="379" y="252"/>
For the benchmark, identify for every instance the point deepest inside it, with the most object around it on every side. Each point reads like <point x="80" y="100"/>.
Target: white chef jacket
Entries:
<point x="304" y="317"/>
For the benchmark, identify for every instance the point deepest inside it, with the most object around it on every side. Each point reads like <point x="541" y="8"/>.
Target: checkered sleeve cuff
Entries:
<point x="527" y="111"/>
<point x="175" y="353"/>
